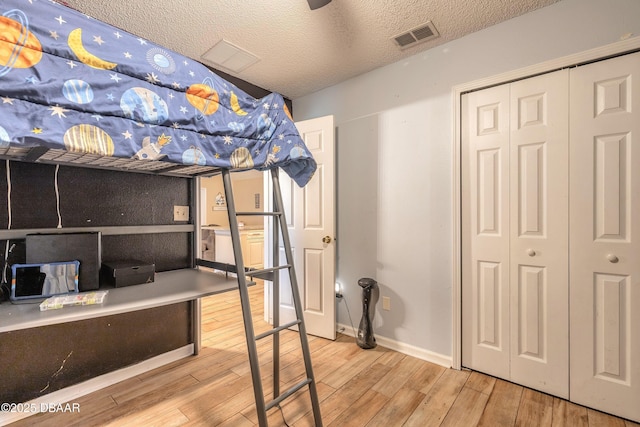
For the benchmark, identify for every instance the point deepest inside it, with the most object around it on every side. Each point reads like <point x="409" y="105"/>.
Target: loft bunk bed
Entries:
<point x="77" y="91"/>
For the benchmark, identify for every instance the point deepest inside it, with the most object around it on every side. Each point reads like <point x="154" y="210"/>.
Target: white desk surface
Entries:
<point x="169" y="287"/>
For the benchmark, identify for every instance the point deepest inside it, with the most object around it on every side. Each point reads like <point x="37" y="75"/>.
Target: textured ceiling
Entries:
<point x="302" y="51"/>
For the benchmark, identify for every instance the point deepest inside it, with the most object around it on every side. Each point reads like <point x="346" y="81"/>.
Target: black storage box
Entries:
<point x="126" y="273"/>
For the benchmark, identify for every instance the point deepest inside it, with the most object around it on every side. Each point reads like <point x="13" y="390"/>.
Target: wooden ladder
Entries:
<point x="279" y="226"/>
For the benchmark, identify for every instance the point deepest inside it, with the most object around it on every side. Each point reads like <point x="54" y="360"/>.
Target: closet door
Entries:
<point x="539" y="282"/>
<point x="514" y="218"/>
<point x="605" y="235"/>
<point x="485" y="231"/>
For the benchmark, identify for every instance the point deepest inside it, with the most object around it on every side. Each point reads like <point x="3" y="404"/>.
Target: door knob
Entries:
<point x="612" y="258"/>
<point x="531" y="252"/>
<point x="326" y="239"/>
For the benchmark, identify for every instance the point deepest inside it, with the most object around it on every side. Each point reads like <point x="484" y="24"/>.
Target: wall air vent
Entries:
<point x="416" y="35"/>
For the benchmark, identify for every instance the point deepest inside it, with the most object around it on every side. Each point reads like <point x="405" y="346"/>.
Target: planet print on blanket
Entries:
<point x="144" y="105"/>
<point x="203" y="97"/>
<point x="266" y="126"/>
<point x="161" y="60"/>
<point x="236" y="127"/>
<point x="193" y="156"/>
<point x="241" y="158"/>
<point x="88" y="139"/>
<point x="26" y="51"/>
<point x="77" y="91"/>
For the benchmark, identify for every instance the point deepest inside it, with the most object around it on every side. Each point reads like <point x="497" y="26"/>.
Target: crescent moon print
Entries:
<point x="75" y="43"/>
<point x="235" y="105"/>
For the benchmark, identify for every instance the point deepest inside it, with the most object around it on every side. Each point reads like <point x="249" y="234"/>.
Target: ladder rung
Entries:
<point x="287" y="393"/>
<point x="258" y="213"/>
<point x="278" y="329"/>
<point x="267" y="270"/>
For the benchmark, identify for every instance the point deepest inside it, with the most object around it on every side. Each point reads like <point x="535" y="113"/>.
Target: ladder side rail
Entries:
<point x="306" y="352"/>
<point x="244" y="301"/>
<point x="275" y="248"/>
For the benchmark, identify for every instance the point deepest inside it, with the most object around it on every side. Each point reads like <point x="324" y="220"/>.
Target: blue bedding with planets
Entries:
<point x="68" y="81"/>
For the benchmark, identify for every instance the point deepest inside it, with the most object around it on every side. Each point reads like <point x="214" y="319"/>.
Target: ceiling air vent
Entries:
<point x="416" y="35"/>
<point x="229" y="57"/>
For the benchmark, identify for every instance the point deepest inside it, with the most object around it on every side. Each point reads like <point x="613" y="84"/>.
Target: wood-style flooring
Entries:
<point x="378" y="387"/>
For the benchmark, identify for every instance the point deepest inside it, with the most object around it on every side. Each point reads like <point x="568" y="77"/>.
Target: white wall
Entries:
<point x="395" y="207"/>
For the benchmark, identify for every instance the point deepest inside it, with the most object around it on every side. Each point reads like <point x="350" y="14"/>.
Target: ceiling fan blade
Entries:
<point x="317" y="4"/>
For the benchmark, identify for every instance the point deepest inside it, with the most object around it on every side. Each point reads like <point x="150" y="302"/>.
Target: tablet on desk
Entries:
<point x="44" y="280"/>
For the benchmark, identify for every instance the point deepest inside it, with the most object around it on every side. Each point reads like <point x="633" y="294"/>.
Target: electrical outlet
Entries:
<point x="386" y="303"/>
<point x="181" y="213"/>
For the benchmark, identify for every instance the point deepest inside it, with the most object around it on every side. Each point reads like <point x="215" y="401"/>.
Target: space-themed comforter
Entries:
<point x="69" y="81"/>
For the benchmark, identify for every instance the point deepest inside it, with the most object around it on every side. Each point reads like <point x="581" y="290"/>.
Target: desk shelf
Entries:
<point x="169" y="287"/>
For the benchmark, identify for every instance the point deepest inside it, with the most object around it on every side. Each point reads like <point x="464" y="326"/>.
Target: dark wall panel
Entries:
<point x="96" y="198"/>
<point x="119" y="198"/>
<point x="169" y="251"/>
<point x="33" y="197"/>
<point x="88" y="197"/>
<point x="78" y="351"/>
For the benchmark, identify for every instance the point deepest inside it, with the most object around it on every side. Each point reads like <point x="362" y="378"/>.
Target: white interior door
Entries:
<point x="310" y="213"/>
<point x="605" y="236"/>
<point x="539" y="185"/>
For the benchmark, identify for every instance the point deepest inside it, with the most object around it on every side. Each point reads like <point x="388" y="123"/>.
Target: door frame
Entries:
<point x="592" y="55"/>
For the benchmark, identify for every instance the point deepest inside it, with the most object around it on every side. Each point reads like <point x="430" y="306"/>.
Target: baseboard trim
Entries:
<point x="73" y="392"/>
<point x="409" y="350"/>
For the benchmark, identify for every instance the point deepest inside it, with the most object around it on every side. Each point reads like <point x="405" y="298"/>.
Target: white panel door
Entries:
<point x="515" y="238"/>
<point x="605" y="236"/>
<point x="485" y="231"/>
<point x="310" y="212"/>
<point x="539" y="282"/>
